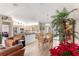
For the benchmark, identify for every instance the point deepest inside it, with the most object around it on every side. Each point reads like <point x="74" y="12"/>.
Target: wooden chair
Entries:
<point x="50" y="39"/>
<point x="42" y="40"/>
<point x="40" y="37"/>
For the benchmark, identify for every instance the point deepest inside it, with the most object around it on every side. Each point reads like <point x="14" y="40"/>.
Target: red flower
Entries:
<point x="63" y="47"/>
<point x="54" y="52"/>
<point x="75" y="54"/>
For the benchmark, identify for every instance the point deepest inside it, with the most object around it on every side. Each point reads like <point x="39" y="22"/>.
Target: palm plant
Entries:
<point x="58" y="22"/>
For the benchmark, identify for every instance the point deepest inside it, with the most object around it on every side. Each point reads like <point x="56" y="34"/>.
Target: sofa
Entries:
<point x="11" y="41"/>
<point x="16" y="50"/>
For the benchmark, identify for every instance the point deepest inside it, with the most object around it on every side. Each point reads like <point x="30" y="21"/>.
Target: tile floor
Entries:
<point x="34" y="50"/>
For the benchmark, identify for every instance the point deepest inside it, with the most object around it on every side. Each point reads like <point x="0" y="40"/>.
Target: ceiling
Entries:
<point x="34" y="12"/>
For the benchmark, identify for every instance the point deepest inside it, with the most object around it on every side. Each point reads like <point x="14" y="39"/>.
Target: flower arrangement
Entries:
<point x="65" y="49"/>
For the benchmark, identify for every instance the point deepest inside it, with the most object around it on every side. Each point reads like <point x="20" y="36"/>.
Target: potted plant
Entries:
<point x="65" y="48"/>
<point x="59" y="23"/>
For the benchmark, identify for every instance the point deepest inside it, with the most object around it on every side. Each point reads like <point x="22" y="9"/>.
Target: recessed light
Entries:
<point x="41" y="3"/>
<point x="15" y="4"/>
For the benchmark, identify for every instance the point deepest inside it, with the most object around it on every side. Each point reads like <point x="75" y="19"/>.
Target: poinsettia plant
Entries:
<point x="65" y="49"/>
